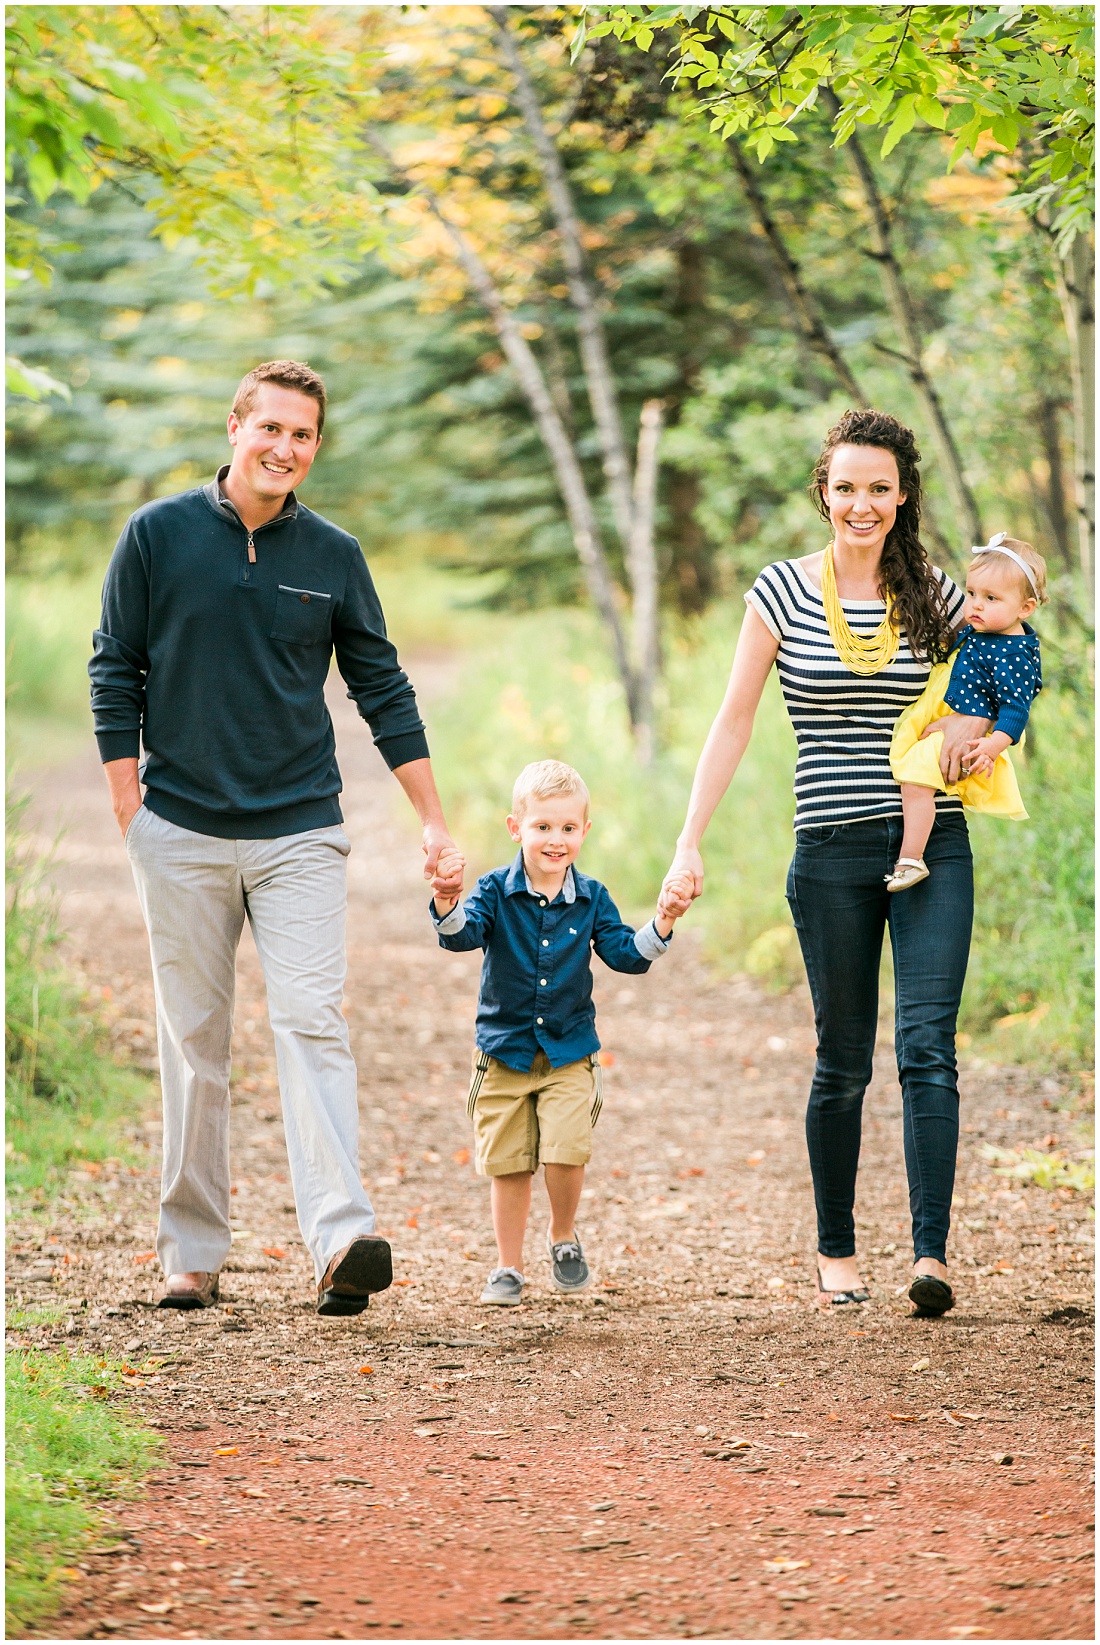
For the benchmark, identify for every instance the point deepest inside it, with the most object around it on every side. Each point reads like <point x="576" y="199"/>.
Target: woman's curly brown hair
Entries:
<point x="920" y="609"/>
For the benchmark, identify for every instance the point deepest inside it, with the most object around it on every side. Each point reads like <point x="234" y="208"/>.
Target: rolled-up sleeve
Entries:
<point x="649" y="942"/>
<point x="376" y="682"/>
<point x="120" y="656"/>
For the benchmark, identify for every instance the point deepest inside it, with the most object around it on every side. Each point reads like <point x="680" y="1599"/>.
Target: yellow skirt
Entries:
<point x="914" y="761"/>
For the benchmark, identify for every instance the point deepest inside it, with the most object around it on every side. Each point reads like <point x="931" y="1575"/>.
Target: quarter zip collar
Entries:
<point x="216" y="497"/>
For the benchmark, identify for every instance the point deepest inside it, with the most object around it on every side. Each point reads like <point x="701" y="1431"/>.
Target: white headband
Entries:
<point x="995" y="545"/>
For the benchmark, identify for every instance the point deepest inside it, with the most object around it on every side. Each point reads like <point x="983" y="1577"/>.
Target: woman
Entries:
<point x="854" y="631"/>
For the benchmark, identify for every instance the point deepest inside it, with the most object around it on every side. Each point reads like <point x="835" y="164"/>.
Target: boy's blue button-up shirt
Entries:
<point x="536" y="978"/>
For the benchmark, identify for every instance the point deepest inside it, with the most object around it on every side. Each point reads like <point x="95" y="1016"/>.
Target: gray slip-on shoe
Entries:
<point x="568" y="1269"/>
<point x="503" y="1288"/>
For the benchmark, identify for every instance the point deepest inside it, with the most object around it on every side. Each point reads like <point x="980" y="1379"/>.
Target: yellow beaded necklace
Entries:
<point x="860" y="653"/>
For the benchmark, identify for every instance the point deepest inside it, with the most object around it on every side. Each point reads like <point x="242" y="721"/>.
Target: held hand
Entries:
<point x="959" y="730"/>
<point x="676" y="896"/>
<point x="977" y="759"/>
<point x="450" y="868"/>
<point x="444" y="862"/>
<point x="684" y="879"/>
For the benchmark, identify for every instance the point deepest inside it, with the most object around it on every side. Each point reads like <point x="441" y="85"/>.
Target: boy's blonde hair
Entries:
<point x="1031" y="558"/>
<point x="544" y="780"/>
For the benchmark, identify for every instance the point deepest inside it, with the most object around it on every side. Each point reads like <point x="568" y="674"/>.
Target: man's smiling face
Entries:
<point x="274" y="443"/>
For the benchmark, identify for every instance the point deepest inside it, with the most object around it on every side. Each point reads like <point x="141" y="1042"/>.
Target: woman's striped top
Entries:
<point x="843" y="722"/>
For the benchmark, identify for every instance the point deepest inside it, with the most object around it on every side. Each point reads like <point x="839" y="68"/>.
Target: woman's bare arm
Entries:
<point x="757" y="648"/>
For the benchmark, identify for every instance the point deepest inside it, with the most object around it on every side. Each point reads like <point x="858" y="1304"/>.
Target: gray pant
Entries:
<point x="195" y="893"/>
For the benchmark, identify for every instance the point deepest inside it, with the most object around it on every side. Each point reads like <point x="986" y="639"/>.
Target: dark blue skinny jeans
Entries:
<point x="841" y="907"/>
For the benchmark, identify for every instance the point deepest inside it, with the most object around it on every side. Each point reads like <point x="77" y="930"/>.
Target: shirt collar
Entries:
<point x="518" y="873"/>
<point x="221" y="502"/>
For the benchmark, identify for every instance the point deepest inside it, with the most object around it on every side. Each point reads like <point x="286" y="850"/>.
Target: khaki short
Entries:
<point x="523" y="1120"/>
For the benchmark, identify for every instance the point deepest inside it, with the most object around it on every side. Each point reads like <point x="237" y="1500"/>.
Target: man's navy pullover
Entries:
<point x="536" y="980"/>
<point x="216" y="662"/>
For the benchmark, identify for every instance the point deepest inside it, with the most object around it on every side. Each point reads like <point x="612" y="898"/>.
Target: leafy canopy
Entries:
<point x="1016" y="77"/>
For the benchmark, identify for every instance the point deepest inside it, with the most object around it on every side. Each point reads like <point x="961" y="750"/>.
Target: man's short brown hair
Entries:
<point x="287" y="374"/>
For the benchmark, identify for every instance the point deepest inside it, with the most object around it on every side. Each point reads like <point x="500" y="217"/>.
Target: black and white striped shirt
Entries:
<point x="843" y="722"/>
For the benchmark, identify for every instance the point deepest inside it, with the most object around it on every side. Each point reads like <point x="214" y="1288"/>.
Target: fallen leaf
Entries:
<point x="253" y="1490"/>
<point x="897" y="1416"/>
<point x="921" y="1365"/>
<point x="426" y="1433"/>
<point x="206" y="1541"/>
<point x="160" y="1608"/>
<point x="462" y="1157"/>
<point x="228" y="1451"/>
<point x="144" y="1256"/>
<point x="404" y="1282"/>
<point x="786" y="1564"/>
<point x="834" y="1416"/>
<point x="129" y="1371"/>
<point x="412" y="1221"/>
<point x="754" y="1159"/>
<point x="276" y="1251"/>
<point x="949" y="1418"/>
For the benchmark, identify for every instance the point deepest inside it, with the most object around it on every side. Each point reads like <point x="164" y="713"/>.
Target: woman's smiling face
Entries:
<point x="863" y="496"/>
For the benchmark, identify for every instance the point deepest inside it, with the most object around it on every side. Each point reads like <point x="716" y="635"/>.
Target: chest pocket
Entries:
<point x="302" y="616"/>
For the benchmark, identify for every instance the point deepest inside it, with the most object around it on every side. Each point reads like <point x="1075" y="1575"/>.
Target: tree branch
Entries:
<point x="593" y="344"/>
<point x="803" y="305"/>
<point x="567" y="468"/>
<point x="905" y="323"/>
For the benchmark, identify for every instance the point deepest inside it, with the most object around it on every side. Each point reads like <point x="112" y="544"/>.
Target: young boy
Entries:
<point x="535" y="1094"/>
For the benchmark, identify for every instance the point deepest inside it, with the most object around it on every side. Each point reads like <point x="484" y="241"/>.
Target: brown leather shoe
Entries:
<point x="190" y="1291"/>
<point x="354" y="1275"/>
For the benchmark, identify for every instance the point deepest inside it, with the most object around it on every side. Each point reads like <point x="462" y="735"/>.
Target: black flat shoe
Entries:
<point x="840" y="1299"/>
<point x="931" y="1296"/>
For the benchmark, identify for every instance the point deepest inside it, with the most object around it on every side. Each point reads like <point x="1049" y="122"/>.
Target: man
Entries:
<point x="221" y="610"/>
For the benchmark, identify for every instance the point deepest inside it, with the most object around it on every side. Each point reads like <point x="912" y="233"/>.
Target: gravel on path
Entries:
<point x="690" y="1449"/>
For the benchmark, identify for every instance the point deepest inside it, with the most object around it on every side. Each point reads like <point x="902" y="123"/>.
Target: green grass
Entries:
<point x="66" y="1099"/>
<point x="70" y="1452"/>
<point x="543" y="689"/>
<point x="49" y="623"/>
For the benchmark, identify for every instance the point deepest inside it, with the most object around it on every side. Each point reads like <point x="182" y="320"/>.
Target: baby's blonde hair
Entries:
<point x="544" y="780"/>
<point x="1031" y="558"/>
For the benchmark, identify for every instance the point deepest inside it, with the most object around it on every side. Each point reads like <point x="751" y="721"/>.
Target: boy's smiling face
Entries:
<point x="551" y="832"/>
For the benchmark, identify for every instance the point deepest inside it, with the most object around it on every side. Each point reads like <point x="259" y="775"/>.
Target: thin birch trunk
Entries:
<point x="803" y="304"/>
<point x="567" y="469"/>
<point x="904" y="317"/>
<point x="1075" y="274"/>
<point x="643" y="574"/>
<point x="593" y="344"/>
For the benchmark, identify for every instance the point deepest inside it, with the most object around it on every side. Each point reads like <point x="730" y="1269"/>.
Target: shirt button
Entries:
<point x="542" y="982"/>
<point x="542" y="902"/>
<point x="546" y="942"/>
<point x="305" y="599"/>
<point x="539" y="1021"/>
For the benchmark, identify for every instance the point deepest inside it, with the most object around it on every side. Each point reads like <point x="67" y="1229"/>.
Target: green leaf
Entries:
<point x="902" y="122"/>
<point x="1006" y="132"/>
<point x="31" y="382"/>
<point x="932" y="111"/>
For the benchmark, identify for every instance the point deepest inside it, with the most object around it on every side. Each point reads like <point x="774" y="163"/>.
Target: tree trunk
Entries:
<point x="567" y="468"/>
<point x="803" y="305"/>
<point x="643" y="575"/>
<point x="1075" y="274"/>
<point x="691" y="568"/>
<point x="593" y="344"/>
<point x="1052" y="496"/>
<point x="905" y="322"/>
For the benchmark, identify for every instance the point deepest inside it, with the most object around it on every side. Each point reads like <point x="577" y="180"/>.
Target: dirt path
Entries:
<point x="691" y="1450"/>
